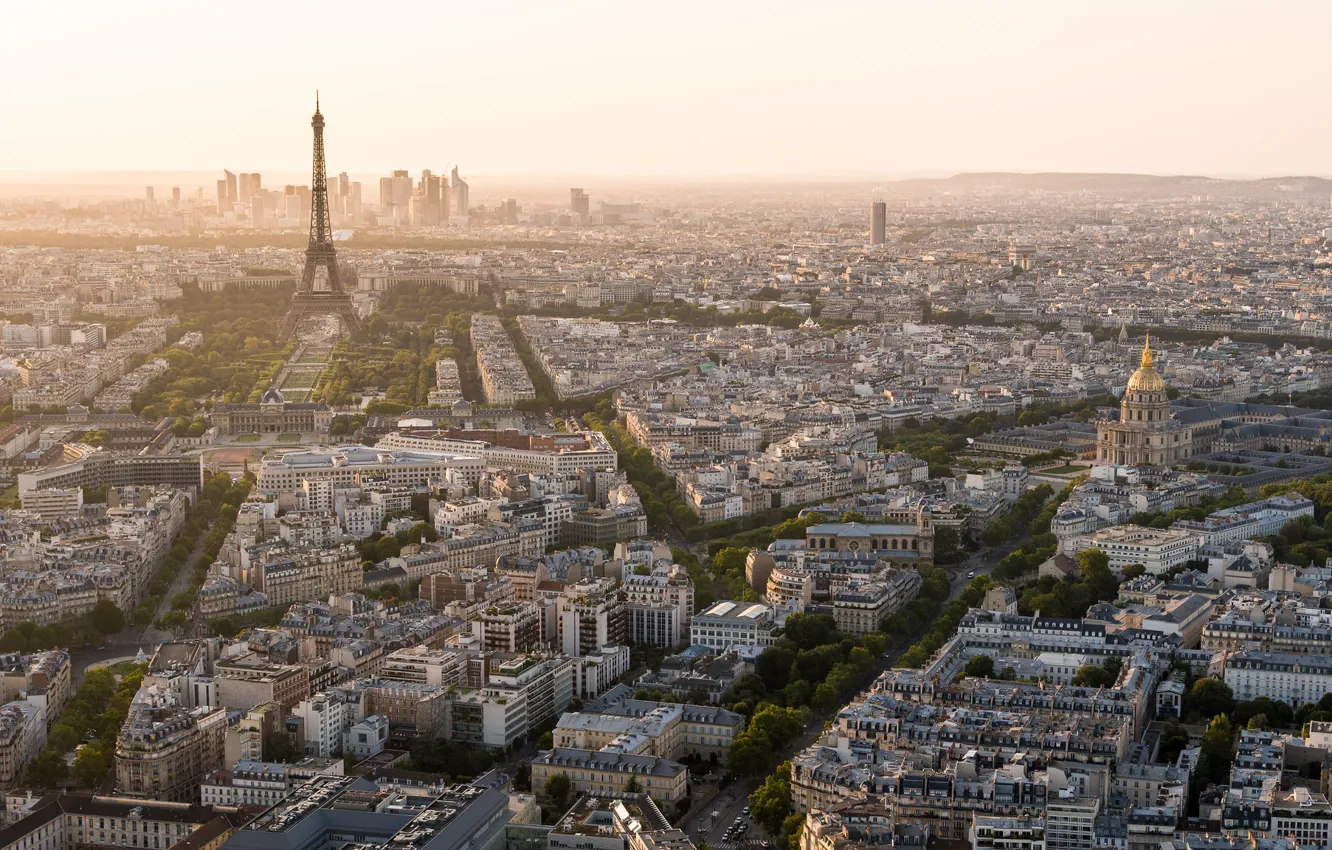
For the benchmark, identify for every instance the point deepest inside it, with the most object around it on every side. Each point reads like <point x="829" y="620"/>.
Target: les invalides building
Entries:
<point x="1146" y="433"/>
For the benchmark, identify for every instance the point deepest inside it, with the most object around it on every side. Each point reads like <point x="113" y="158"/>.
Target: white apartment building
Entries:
<point x="262" y="784"/>
<point x="551" y="454"/>
<point x="54" y="502"/>
<point x="591" y="615"/>
<point x="346" y="466"/>
<point x="725" y="624"/>
<point x="861" y="607"/>
<point x="521" y="694"/>
<point x="1281" y="676"/>
<point x="596" y="673"/>
<point x="1302" y="815"/>
<point x="789" y="585"/>
<point x="325" y="718"/>
<point x="1262" y="518"/>
<point x="1159" y="550"/>
<point x="660" y="604"/>
<point x="1070" y="823"/>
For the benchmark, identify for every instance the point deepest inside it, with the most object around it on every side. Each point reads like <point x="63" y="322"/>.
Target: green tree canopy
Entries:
<point x="980" y="667"/>
<point x="1209" y="698"/>
<point x="558" y="788"/>
<point x="106" y="617"/>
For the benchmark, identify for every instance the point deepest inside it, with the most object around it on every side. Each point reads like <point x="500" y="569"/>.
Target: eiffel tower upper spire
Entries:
<point x="321" y="228"/>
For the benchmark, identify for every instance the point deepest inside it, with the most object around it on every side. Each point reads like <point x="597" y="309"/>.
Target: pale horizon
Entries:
<point x="869" y="91"/>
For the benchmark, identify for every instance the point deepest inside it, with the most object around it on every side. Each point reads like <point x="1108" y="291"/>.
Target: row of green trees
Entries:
<point x="213" y="516"/>
<point x="770" y="807"/>
<point x="1019" y="517"/>
<point x="661" y="502"/>
<point x="1303" y="541"/>
<point x="90" y="722"/>
<point x="933" y="592"/>
<point x="546" y="397"/>
<point x="104" y="619"/>
<point x="939" y="441"/>
<point x="1040" y="544"/>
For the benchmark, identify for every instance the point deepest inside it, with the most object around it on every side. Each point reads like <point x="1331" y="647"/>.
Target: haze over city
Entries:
<point x="777" y="89"/>
<point x="732" y="426"/>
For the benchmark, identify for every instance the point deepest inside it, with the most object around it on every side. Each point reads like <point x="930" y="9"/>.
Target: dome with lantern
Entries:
<point x="1146" y="379"/>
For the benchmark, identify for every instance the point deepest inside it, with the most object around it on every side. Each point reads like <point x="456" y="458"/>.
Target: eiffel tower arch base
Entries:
<point x="304" y="306"/>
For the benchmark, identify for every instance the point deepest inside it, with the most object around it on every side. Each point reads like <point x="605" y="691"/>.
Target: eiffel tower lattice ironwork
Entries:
<point x="320" y="292"/>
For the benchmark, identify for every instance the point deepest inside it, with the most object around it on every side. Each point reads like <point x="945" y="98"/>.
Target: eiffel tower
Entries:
<point x="320" y="292"/>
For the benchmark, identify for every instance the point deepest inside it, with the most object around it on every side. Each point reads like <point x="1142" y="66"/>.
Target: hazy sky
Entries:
<point x="678" y="88"/>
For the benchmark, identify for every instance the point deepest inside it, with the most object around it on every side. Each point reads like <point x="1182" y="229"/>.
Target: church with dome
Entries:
<point x="1147" y="431"/>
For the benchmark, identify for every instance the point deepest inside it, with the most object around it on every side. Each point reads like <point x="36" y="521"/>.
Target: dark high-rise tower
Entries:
<point x="321" y="292"/>
<point x="878" y="223"/>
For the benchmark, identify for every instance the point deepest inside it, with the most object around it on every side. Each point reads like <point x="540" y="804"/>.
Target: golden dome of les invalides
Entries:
<point x="1146" y="378"/>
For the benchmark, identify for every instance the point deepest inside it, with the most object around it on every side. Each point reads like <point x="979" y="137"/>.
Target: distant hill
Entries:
<point x="1137" y="185"/>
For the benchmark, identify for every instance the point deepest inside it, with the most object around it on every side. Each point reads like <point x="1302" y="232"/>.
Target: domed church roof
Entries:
<point x="1147" y="379"/>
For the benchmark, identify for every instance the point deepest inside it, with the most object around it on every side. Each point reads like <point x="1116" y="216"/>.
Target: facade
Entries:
<point x="272" y="415"/>
<point x="101" y="469"/>
<point x="905" y="542"/>
<point x="509" y="627"/>
<point x="544" y="686"/>
<point x="411" y="706"/>
<point x="324" y="717"/>
<point x="1000" y="833"/>
<point x="554" y="454"/>
<point x="1070" y="823"/>
<point x="1279" y="676"/>
<point x="367" y="737"/>
<point x="242" y="687"/>
<point x="288" y="576"/>
<point x="262" y="784"/>
<point x="598" y="672"/>
<point x="85" y="820"/>
<point x="47" y="681"/>
<point x="1262" y="518"/>
<point x="789" y="586"/>
<point x="164" y="751"/>
<point x="671" y="730"/>
<point x="660" y="605"/>
<point x="22" y="736"/>
<point x="861" y="607"/>
<point x="595" y="772"/>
